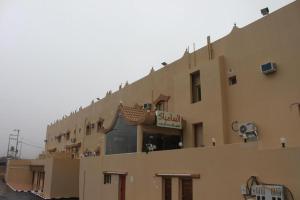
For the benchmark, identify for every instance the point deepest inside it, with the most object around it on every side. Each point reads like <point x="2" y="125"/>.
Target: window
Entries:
<point x="59" y="139"/>
<point x="195" y="87"/>
<point x="232" y="80"/>
<point x="160" y="106"/>
<point x="160" y="142"/>
<point x="99" y="126"/>
<point x="186" y="189"/>
<point x="122" y="138"/>
<point x="107" y="179"/>
<point x="67" y="135"/>
<point x="198" y="134"/>
<point x="88" y="130"/>
<point x="167" y="188"/>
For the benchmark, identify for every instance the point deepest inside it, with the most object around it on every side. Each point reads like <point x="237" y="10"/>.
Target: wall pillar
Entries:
<point x="175" y="188"/>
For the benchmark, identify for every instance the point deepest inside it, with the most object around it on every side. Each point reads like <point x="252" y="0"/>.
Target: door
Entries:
<point x="122" y="188"/>
<point x="186" y="189"/>
<point x="167" y="189"/>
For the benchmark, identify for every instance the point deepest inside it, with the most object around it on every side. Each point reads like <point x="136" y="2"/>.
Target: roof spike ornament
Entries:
<point x="152" y="70"/>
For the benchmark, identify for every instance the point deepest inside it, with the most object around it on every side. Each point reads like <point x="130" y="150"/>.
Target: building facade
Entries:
<point x="199" y="127"/>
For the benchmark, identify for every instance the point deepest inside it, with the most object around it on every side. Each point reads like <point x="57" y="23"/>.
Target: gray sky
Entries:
<point x="58" y="55"/>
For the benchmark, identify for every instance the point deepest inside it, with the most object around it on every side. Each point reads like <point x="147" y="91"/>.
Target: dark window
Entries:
<point x="160" y="105"/>
<point x="67" y="135"/>
<point x="195" y="87"/>
<point x="232" y="80"/>
<point x="167" y="189"/>
<point x="88" y="130"/>
<point x="198" y="134"/>
<point x="107" y="179"/>
<point x="99" y="126"/>
<point x="160" y="142"/>
<point x="186" y="189"/>
<point x="122" y="138"/>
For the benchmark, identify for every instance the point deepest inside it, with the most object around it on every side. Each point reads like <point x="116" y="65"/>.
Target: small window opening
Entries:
<point x="88" y="130"/>
<point x="161" y="106"/>
<point x="198" y="135"/>
<point x="99" y="126"/>
<point x="195" y="87"/>
<point x="68" y="136"/>
<point x="232" y="80"/>
<point x="107" y="179"/>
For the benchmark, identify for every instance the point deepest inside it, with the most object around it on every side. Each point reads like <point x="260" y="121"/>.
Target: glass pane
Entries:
<point x="122" y="138"/>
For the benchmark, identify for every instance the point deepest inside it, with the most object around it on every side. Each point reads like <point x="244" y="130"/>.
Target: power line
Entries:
<point x="32" y="145"/>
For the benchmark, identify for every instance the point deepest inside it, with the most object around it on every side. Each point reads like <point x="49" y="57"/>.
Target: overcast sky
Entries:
<point x="58" y="55"/>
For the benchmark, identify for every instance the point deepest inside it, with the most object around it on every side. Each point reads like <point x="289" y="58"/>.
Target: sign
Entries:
<point x="168" y="120"/>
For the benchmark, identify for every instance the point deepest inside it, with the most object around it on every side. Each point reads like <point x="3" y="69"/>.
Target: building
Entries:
<point x="211" y="125"/>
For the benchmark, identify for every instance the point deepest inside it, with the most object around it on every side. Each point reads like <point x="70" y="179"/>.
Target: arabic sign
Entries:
<point x="168" y="120"/>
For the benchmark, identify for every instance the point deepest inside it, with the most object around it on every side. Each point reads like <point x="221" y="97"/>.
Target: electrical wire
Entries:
<point x="32" y="145"/>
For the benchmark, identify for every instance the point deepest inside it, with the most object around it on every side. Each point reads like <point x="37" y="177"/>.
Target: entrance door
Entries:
<point x="122" y="183"/>
<point x="186" y="189"/>
<point x="167" y="188"/>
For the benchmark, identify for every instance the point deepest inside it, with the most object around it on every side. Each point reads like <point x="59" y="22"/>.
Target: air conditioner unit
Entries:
<point x="147" y="106"/>
<point x="268" y="192"/>
<point x="268" y="68"/>
<point x="248" y="130"/>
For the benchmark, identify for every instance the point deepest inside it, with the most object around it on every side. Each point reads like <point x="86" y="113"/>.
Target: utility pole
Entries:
<point x="17" y="144"/>
<point x="10" y="148"/>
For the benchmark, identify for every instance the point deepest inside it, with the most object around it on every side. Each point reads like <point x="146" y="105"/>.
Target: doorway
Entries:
<point x="122" y="186"/>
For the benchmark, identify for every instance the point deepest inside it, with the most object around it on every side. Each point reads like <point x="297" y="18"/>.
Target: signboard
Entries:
<point x="168" y="120"/>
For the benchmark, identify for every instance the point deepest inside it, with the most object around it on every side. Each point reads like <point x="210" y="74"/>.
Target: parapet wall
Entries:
<point x="222" y="170"/>
<point x="18" y="175"/>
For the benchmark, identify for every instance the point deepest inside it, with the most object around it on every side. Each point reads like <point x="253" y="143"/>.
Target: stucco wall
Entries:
<point x="65" y="178"/>
<point x="223" y="169"/>
<point x="18" y="174"/>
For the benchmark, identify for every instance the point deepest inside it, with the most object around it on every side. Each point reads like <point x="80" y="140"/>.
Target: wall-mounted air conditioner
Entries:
<point x="248" y="130"/>
<point x="268" y="68"/>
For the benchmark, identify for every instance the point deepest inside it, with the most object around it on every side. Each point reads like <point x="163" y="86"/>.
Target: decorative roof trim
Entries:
<point x="142" y="116"/>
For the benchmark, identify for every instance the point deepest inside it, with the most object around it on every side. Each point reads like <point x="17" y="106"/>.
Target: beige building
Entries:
<point x="197" y="128"/>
